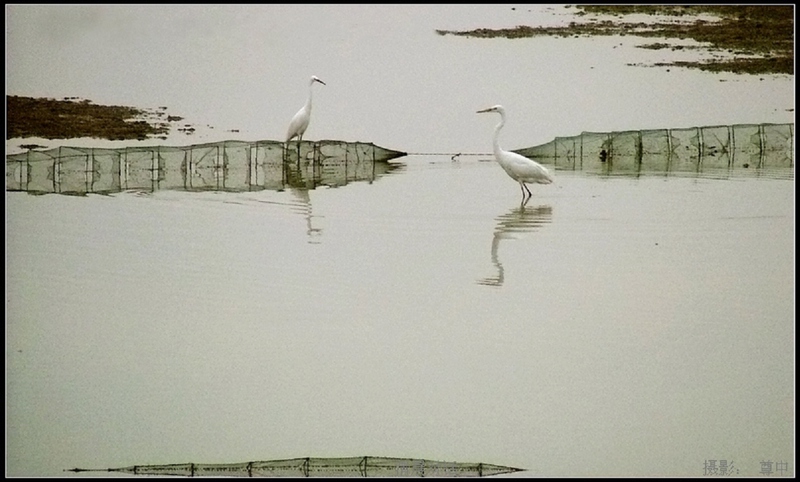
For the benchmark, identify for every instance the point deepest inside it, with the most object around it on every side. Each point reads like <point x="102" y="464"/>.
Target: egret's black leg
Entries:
<point x="524" y="188"/>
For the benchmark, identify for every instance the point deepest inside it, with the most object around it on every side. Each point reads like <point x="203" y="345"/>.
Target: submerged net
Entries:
<point x="222" y="166"/>
<point x="765" y="147"/>
<point x="322" y="467"/>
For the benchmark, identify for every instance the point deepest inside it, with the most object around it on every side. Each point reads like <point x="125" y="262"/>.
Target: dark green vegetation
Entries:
<point x="71" y="118"/>
<point x="764" y="31"/>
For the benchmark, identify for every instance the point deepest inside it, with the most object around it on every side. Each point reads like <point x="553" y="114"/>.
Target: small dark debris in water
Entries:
<point x="603" y="155"/>
<point x="454" y="156"/>
<point x="31" y="146"/>
<point x="745" y="165"/>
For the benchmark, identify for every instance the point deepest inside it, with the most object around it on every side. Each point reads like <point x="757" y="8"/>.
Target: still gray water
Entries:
<point x="615" y="325"/>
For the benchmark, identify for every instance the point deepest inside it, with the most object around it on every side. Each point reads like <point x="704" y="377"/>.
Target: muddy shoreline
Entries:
<point x="766" y="32"/>
<point x="71" y="118"/>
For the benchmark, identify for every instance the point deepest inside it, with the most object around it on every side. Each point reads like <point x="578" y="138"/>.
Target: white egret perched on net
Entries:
<point x="518" y="167"/>
<point x="299" y="123"/>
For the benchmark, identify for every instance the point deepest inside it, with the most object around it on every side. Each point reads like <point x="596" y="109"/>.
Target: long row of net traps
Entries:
<point x="238" y="166"/>
<point x="234" y="166"/>
<point x="763" y="148"/>
<point x="321" y="467"/>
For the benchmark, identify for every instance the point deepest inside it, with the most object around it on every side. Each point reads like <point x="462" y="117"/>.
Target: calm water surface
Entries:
<point x="612" y="326"/>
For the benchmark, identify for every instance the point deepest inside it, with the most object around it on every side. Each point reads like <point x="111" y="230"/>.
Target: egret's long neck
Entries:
<point x="497" y="134"/>
<point x="310" y="93"/>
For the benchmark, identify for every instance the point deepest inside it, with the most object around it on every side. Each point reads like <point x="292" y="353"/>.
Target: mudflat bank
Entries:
<point x="758" y="39"/>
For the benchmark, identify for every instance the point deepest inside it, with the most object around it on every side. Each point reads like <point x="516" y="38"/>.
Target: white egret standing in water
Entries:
<point x="299" y="123"/>
<point x="518" y="167"/>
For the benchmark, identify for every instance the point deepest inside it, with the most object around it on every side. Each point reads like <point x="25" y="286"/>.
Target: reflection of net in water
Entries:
<point x="223" y="166"/>
<point x="322" y="467"/>
<point x="763" y="148"/>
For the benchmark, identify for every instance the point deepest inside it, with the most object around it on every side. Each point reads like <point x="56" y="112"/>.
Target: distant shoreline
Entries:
<point x="764" y="31"/>
<point x="760" y="37"/>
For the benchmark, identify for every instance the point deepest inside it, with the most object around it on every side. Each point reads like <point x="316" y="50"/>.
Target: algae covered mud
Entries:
<point x="73" y="117"/>
<point x="759" y="37"/>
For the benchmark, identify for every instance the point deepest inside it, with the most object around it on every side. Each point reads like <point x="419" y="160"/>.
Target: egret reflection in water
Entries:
<point x="522" y="219"/>
<point x="304" y="199"/>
